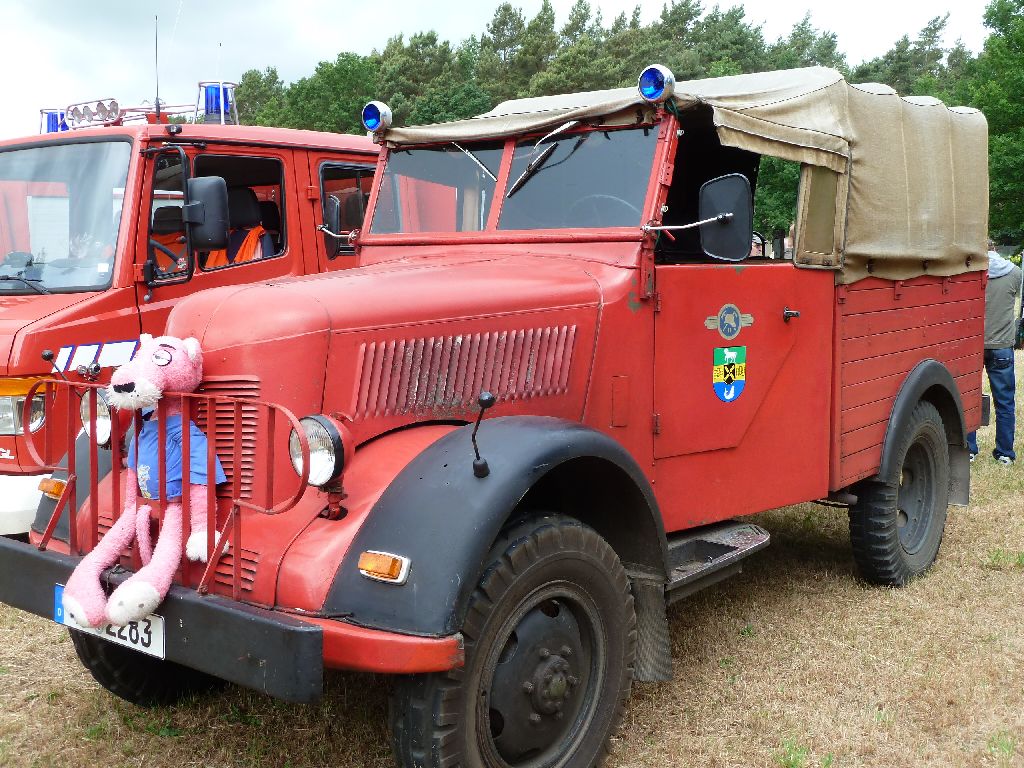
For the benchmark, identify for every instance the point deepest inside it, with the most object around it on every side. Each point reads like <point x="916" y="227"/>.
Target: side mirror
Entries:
<point x="332" y="226"/>
<point x="206" y="214"/>
<point x="728" y="201"/>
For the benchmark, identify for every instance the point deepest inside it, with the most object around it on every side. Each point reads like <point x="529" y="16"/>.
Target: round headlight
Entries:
<point x="37" y="413"/>
<point x="326" y="450"/>
<point x="656" y="83"/>
<point x="102" y="436"/>
<point x="376" y="116"/>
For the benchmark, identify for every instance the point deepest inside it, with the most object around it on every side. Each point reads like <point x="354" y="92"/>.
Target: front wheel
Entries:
<point x="550" y="639"/>
<point x="896" y="529"/>
<point x="143" y="680"/>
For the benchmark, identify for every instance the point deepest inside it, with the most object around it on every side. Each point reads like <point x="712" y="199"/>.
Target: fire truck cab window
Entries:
<point x="350" y="185"/>
<point x="258" y="229"/>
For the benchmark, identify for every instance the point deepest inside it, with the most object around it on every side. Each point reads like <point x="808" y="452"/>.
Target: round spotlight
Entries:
<point x="656" y="83"/>
<point x="103" y="418"/>
<point x="376" y="116"/>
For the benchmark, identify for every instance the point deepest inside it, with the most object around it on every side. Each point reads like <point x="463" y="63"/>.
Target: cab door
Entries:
<point x="266" y="175"/>
<point x="743" y="363"/>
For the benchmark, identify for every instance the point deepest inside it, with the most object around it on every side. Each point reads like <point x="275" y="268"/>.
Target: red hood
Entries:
<point x="18" y="312"/>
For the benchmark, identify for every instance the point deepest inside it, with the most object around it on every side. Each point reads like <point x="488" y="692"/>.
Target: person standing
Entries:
<point x="1004" y="286"/>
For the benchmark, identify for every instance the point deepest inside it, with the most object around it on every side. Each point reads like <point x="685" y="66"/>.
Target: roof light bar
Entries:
<point x="376" y="116"/>
<point x="656" y="83"/>
<point x="93" y="113"/>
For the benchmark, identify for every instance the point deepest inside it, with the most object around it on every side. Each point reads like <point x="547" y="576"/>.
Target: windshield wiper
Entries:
<point x="535" y="165"/>
<point x="31" y="283"/>
<point x="475" y="159"/>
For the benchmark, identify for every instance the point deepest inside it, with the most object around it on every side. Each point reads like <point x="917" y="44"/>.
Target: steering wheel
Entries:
<point x="597" y="202"/>
<point x="168" y="253"/>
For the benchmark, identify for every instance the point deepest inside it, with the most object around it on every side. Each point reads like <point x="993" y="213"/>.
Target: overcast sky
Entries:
<point x="55" y="52"/>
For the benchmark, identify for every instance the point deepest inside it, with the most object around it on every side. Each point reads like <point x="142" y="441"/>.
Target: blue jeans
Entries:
<point x="999" y="366"/>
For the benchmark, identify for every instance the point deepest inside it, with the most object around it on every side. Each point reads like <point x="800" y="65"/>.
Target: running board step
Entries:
<point x="704" y="556"/>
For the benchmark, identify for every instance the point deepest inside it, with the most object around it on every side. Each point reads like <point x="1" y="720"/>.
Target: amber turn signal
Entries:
<point x="52" y="487"/>
<point x="383" y="566"/>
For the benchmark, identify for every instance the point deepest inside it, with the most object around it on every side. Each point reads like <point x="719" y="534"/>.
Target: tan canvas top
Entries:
<point x="913" y="189"/>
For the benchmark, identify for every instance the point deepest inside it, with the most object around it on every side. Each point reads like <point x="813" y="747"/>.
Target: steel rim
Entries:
<point x="540" y="679"/>
<point x="915" y="499"/>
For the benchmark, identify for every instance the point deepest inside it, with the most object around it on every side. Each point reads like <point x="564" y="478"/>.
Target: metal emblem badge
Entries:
<point x="729" y="321"/>
<point x="729" y="373"/>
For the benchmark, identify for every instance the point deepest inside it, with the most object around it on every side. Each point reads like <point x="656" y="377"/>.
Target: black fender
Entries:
<point x="445" y="519"/>
<point x="930" y="380"/>
<point x="44" y="511"/>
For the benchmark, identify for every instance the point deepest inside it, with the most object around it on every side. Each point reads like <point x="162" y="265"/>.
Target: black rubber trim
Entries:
<point x="267" y="651"/>
<point x="926" y="375"/>
<point x="444" y="519"/>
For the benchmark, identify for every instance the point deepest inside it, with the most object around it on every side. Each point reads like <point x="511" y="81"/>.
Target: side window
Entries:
<point x="350" y="184"/>
<point x="820" y="191"/>
<point x="258" y="229"/>
<point x="167" y="248"/>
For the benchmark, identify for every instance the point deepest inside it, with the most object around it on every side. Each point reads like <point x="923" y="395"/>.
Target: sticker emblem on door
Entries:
<point x="729" y="374"/>
<point x="729" y="321"/>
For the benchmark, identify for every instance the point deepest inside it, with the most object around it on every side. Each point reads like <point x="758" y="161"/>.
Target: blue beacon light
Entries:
<point x="656" y="83"/>
<point x="376" y="116"/>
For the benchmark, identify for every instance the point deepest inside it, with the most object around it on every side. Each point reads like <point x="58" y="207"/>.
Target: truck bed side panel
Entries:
<point x="883" y="329"/>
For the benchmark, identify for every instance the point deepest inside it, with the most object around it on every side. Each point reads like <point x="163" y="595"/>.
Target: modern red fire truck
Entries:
<point x="93" y="249"/>
<point x="541" y="407"/>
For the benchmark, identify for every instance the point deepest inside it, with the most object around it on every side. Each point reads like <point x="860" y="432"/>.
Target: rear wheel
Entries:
<point x="896" y="529"/>
<point x="550" y="639"/>
<point x="143" y="680"/>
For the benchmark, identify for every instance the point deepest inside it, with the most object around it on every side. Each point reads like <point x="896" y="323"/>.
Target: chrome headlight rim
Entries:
<point x="314" y="427"/>
<point x="104" y="418"/>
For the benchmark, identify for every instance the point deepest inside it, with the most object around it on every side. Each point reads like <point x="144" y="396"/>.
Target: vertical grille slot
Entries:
<point x="224" y="434"/>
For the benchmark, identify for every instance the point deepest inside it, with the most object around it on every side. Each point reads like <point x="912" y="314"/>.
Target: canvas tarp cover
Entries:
<point x="914" y="173"/>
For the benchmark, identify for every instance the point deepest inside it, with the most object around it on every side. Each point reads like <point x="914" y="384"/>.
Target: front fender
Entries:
<point x="445" y="519"/>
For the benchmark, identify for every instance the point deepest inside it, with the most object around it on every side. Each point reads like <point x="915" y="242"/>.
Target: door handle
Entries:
<point x="788" y="314"/>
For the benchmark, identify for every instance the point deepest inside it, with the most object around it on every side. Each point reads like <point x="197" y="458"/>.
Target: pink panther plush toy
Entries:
<point x="161" y="364"/>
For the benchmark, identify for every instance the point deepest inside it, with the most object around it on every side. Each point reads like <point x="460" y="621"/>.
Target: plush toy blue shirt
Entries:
<point x="148" y="465"/>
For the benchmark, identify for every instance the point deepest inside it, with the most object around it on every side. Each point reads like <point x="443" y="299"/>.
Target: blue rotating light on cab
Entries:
<point x="656" y="83"/>
<point x="376" y="116"/>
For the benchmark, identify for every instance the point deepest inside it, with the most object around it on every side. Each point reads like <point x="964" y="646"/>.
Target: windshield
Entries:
<point x="60" y="209"/>
<point x="592" y="179"/>
<point x="437" y="189"/>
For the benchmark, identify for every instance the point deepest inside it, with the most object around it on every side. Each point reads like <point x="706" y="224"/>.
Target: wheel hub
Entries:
<point x="551" y="683"/>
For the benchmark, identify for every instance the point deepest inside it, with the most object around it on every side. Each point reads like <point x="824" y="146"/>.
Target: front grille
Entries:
<point x="224" y="431"/>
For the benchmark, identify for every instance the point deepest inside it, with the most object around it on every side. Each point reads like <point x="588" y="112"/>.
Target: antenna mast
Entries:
<point x="156" y="61"/>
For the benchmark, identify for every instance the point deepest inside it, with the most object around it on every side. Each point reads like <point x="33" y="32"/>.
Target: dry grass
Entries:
<point x="794" y="663"/>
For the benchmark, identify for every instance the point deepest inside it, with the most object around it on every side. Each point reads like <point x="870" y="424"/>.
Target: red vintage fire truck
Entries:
<point x="93" y="249"/>
<point x="541" y="408"/>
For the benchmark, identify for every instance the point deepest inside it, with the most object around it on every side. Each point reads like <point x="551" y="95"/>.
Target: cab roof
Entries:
<point x="234" y="134"/>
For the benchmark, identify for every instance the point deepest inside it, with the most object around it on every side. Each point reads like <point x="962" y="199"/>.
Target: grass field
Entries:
<point x="794" y="663"/>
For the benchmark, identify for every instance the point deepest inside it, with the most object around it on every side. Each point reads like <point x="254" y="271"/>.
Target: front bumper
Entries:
<point x="269" y="651"/>
<point x="19" y="499"/>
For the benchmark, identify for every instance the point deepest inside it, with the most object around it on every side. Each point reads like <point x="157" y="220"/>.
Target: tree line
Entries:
<point x="425" y="79"/>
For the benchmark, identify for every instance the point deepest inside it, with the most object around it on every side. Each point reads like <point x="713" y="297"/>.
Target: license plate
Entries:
<point x="145" y="635"/>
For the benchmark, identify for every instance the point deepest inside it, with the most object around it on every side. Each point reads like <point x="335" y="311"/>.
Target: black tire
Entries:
<point x="896" y="530"/>
<point x="550" y="641"/>
<point x="143" y="680"/>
